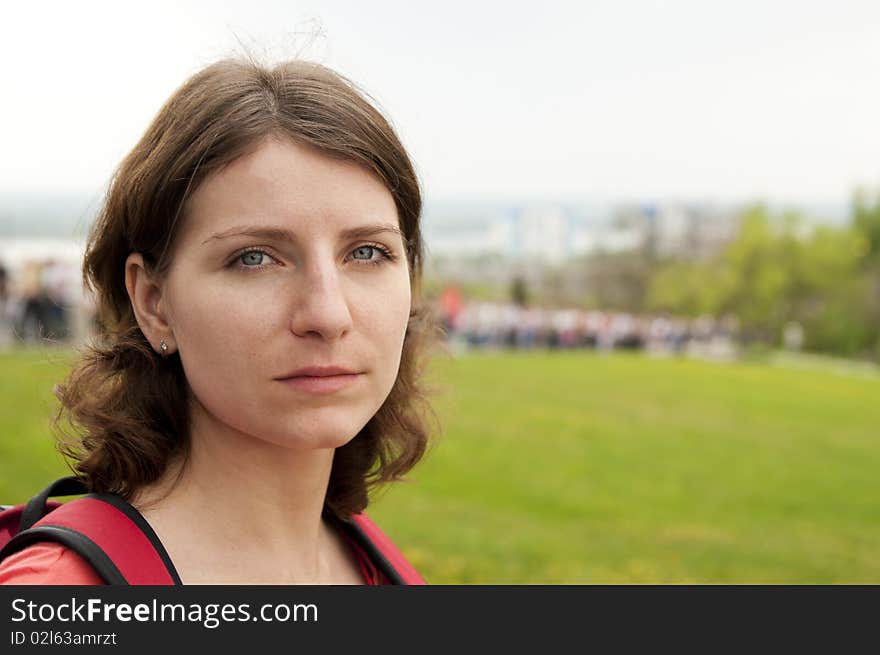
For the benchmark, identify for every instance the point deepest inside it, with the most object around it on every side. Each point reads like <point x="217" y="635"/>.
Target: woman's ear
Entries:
<point x="145" y="293"/>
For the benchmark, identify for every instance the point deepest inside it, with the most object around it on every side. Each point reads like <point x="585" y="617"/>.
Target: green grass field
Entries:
<point x="577" y="468"/>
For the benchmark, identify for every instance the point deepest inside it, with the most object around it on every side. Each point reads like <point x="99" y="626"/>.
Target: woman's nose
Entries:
<point x="320" y="306"/>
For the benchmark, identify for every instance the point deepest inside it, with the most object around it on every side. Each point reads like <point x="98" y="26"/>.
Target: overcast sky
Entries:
<point x="590" y="100"/>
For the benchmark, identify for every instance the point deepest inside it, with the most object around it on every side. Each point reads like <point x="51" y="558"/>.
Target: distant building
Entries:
<point x="544" y="232"/>
<point x="553" y="232"/>
<point x="686" y="231"/>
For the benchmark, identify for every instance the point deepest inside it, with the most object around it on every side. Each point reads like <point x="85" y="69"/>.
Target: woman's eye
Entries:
<point x="363" y="252"/>
<point x="254" y="258"/>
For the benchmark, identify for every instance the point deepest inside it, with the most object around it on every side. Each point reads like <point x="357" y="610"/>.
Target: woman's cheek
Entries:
<point x="213" y="323"/>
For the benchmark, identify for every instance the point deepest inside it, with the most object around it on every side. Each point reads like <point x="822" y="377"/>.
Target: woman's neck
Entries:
<point x="243" y="510"/>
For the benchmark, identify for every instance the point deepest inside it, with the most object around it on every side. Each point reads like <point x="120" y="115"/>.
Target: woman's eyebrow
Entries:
<point x="363" y="231"/>
<point x="282" y="234"/>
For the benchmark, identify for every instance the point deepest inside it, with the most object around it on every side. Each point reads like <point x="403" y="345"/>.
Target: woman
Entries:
<point x="257" y="266"/>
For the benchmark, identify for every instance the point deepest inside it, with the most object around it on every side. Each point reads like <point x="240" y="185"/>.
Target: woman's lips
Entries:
<point x="321" y="384"/>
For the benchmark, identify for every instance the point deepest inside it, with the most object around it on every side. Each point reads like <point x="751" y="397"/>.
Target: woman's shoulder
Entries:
<point x="47" y="564"/>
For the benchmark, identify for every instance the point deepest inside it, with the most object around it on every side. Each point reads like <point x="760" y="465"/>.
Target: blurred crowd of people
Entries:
<point x="43" y="301"/>
<point x="492" y="325"/>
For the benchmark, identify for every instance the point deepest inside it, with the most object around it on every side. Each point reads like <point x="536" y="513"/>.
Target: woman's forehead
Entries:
<point x="285" y="185"/>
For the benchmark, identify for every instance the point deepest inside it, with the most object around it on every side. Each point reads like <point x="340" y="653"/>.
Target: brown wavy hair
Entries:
<point x="123" y="407"/>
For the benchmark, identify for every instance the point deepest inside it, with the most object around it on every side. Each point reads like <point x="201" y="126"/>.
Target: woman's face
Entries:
<point x="289" y="259"/>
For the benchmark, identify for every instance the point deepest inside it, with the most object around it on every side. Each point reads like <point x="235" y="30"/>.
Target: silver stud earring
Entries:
<point x="163" y="347"/>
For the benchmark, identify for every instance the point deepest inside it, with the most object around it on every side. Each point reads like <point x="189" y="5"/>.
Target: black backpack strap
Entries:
<point x="35" y="508"/>
<point x="354" y="531"/>
<point x="75" y="541"/>
<point x="103" y="529"/>
<point x="384" y="555"/>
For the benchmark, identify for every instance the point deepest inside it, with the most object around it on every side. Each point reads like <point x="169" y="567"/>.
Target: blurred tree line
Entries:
<point x="780" y="270"/>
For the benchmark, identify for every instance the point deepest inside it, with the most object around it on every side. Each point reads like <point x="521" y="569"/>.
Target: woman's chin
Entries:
<point x="329" y="437"/>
